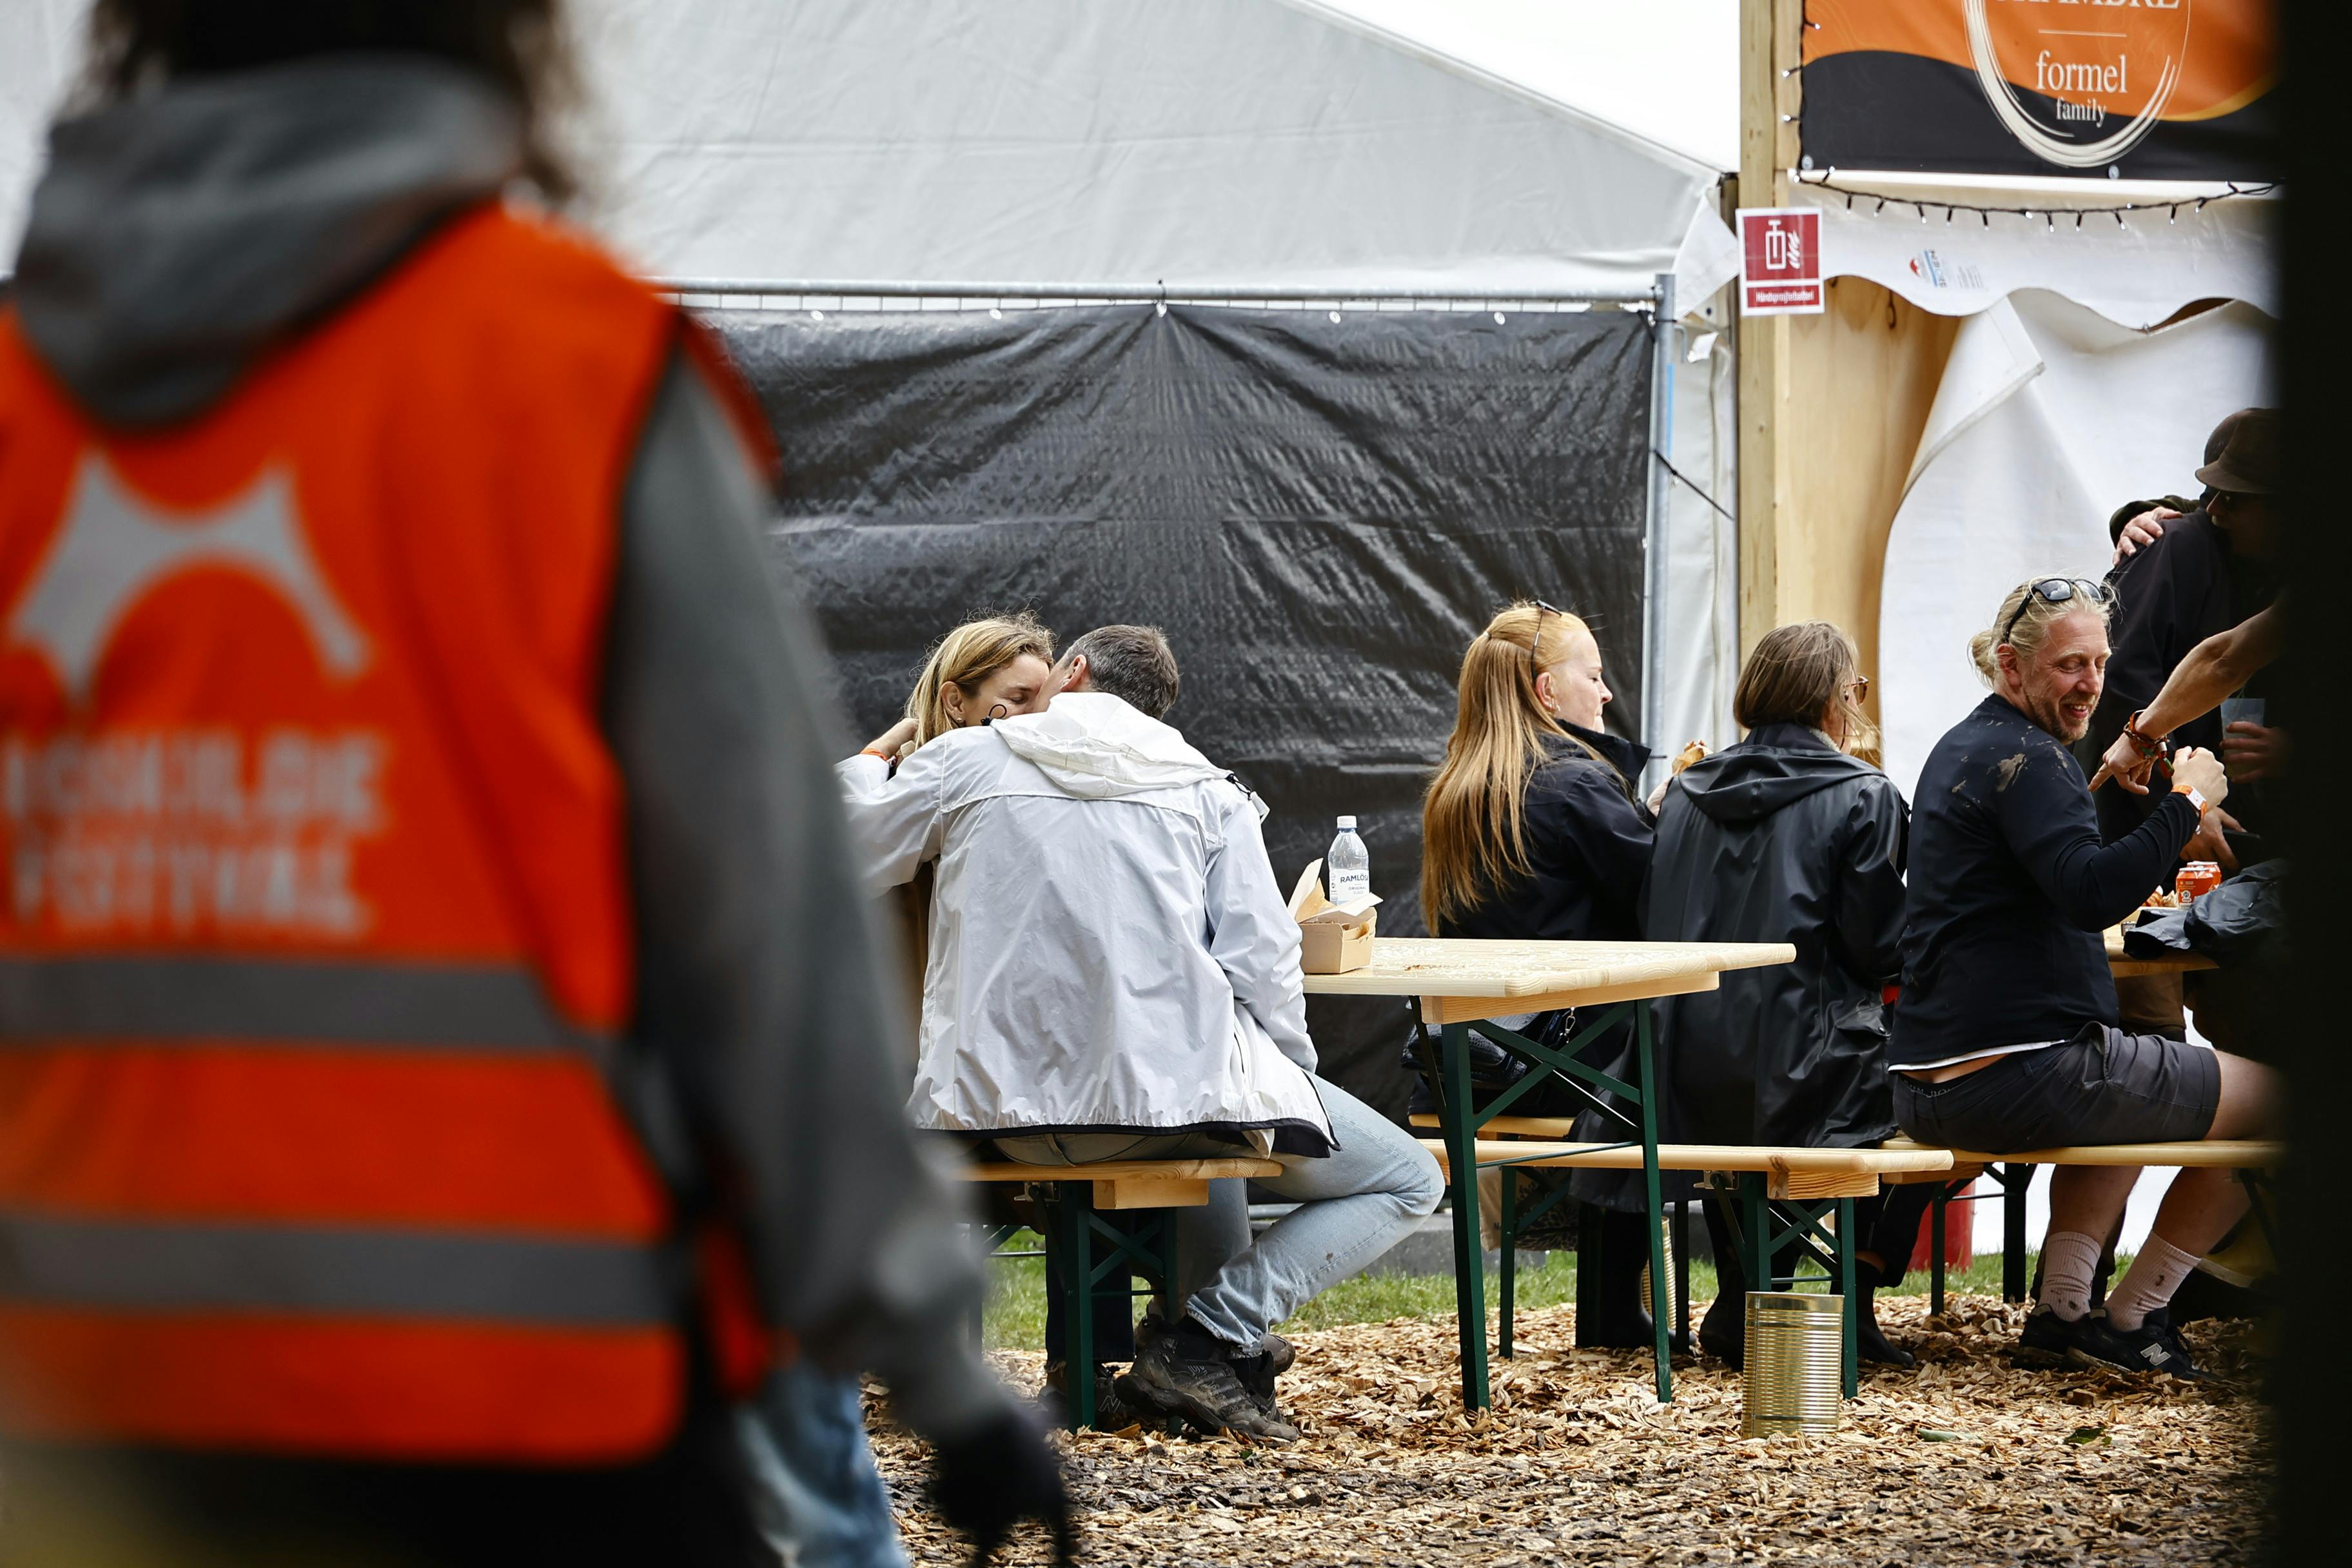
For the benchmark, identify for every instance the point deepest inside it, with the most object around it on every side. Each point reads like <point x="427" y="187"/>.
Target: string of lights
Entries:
<point x="1926" y="206"/>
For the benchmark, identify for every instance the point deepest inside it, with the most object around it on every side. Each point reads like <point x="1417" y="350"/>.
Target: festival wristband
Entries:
<point x="2142" y="743"/>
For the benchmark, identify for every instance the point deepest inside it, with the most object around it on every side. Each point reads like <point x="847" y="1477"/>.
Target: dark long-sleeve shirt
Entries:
<point x="2010" y="887"/>
<point x="2175" y="593"/>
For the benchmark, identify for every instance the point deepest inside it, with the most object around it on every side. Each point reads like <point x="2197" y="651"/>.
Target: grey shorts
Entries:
<point x="2102" y="1087"/>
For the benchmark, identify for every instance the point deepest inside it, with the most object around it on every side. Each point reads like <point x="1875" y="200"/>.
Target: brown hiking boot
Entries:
<point x="1189" y="1370"/>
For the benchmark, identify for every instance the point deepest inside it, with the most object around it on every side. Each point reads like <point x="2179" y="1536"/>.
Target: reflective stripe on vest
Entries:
<point x="315" y="1271"/>
<point x="150" y="999"/>
<point x="315" y="934"/>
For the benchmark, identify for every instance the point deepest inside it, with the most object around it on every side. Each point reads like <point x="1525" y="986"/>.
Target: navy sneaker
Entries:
<point x="2048" y="1339"/>
<point x="2154" y="1346"/>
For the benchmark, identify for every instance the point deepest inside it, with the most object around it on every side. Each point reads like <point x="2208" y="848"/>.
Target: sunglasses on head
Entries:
<point x="2056" y="591"/>
<point x="1542" y="609"/>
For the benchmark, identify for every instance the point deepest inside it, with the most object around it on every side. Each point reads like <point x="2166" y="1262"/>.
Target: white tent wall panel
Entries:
<point x="41" y="48"/>
<point x="1702" y="643"/>
<point x="2047" y="417"/>
<point x="2137" y="272"/>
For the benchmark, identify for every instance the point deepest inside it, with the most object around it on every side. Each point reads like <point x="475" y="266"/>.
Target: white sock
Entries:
<point x="2069" y="1258"/>
<point x="2154" y="1275"/>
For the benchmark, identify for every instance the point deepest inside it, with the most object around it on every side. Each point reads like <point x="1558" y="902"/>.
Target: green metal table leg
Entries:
<point x="1460" y="1129"/>
<point x="1682" y="1273"/>
<point x="1851" y="1327"/>
<point x="1072" y="1211"/>
<point x="1759" y="1236"/>
<point x="2014" y="1179"/>
<point x="1506" y="1265"/>
<point x="1936" y="1248"/>
<point x="1171" y="1309"/>
<point x="1655" y="1200"/>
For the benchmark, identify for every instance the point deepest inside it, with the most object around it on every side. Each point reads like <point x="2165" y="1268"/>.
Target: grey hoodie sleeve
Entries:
<point x="761" y="973"/>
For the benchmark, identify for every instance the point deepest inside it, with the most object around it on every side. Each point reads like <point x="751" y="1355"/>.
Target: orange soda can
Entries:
<point x="2197" y="877"/>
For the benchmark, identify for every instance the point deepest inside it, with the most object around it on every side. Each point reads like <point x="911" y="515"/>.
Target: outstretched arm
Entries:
<point x="2214" y="668"/>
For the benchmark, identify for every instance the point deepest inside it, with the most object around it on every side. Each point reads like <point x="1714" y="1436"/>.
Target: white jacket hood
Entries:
<point x="1099" y="747"/>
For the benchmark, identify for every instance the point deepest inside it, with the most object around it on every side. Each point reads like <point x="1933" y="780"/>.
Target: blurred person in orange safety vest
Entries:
<point x="444" y="1059"/>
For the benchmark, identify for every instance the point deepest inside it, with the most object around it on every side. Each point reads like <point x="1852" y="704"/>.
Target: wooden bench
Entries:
<point x="1074" y="1227"/>
<point x="1787" y="1198"/>
<point x="2014" y="1172"/>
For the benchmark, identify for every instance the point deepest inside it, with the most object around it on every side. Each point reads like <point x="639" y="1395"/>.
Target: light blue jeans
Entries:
<point x="815" y="1495"/>
<point x="1353" y="1205"/>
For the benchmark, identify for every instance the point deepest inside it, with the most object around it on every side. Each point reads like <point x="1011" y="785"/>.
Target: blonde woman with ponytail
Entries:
<point x="989" y="668"/>
<point x="1531" y="829"/>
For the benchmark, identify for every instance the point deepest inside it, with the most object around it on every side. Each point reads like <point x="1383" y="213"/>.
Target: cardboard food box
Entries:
<point x="1333" y="938"/>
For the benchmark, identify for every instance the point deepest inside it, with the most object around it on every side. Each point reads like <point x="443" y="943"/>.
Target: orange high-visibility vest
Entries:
<point x="315" y="934"/>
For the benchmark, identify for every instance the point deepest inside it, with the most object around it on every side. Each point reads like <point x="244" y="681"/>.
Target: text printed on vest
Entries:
<point x="184" y="831"/>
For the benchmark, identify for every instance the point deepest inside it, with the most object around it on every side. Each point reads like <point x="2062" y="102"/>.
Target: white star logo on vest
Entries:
<point x="116" y="545"/>
<point x="196" y="826"/>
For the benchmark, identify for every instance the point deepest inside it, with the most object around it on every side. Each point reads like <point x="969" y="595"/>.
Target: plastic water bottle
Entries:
<point x="1347" y="870"/>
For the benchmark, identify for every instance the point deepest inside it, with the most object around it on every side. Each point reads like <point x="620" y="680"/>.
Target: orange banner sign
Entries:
<point x="2100" y="89"/>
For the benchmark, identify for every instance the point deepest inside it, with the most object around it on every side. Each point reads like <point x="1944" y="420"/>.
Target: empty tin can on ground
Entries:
<point x="1796" y="1362"/>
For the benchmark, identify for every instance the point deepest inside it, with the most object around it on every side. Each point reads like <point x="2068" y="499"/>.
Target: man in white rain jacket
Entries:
<point x="1114" y="975"/>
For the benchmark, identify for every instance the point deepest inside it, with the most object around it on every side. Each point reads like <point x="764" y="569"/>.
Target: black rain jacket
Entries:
<point x="1587" y="843"/>
<point x="1782" y="838"/>
<point x="1588" y="847"/>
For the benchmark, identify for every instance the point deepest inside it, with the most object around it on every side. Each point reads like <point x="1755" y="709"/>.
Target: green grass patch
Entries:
<point x="1016" y="1293"/>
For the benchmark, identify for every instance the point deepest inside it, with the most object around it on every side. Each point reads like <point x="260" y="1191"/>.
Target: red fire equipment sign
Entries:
<point x="1780" y="261"/>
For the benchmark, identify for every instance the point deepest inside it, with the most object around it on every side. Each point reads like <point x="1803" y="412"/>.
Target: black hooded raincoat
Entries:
<point x="1781" y="837"/>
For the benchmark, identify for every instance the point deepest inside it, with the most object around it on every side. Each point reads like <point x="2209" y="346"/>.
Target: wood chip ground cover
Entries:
<point x="1962" y="1459"/>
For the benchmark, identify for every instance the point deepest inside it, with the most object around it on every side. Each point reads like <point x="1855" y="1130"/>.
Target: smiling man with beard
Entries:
<point x="2005" y="1036"/>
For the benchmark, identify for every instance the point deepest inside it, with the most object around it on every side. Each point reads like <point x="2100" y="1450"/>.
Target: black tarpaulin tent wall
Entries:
<point x="1321" y="513"/>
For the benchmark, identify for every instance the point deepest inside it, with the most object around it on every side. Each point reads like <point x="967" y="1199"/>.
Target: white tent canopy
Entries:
<point x="1220" y="144"/>
<point x="1391" y="147"/>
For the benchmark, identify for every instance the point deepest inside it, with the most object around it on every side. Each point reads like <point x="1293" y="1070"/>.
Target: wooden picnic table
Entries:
<point x="1463" y="984"/>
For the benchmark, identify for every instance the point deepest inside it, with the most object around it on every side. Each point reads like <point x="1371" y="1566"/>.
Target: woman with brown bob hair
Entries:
<point x="1788" y="836"/>
<point x="1531" y="830"/>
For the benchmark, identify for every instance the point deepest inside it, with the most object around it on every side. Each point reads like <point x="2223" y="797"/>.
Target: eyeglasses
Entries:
<point x="1859" y="687"/>
<point x="1543" y="608"/>
<point x="2056" y="591"/>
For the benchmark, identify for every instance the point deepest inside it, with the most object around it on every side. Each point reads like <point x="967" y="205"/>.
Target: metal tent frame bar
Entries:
<point x="1146" y="293"/>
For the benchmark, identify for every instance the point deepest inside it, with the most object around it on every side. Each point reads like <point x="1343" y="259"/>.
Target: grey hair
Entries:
<point x="2032" y="626"/>
<point x="1133" y="664"/>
